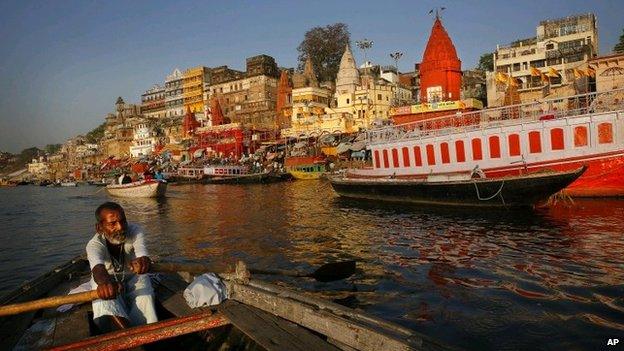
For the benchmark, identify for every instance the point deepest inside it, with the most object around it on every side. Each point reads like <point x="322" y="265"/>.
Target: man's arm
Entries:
<point x="141" y="264"/>
<point x="106" y="289"/>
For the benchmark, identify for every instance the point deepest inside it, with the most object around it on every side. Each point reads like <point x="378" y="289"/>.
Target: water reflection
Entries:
<point x="479" y="279"/>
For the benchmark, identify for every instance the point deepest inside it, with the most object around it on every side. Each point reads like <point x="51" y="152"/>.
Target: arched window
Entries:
<point x="395" y="158"/>
<point x="605" y="133"/>
<point x="444" y="151"/>
<point x="406" y="159"/>
<point x="417" y="156"/>
<point x="460" y="153"/>
<point x="494" y="146"/>
<point x="385" y="159"/>
<point x="430" y="155"/>
<point x="580" y="136"/>
<point x="477" y="153"/>
<point x="556" y="139"/>
<point x="514" y="144"/>
<point x="535" y="142"/>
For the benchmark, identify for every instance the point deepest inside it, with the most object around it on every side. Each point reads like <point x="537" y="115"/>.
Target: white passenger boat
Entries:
<point x="143" y="188"/>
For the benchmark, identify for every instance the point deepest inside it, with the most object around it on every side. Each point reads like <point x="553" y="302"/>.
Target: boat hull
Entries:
<point x="239" y="179"/>
<point x="149" y="188"/>
<point x="522" y="191"/>
<point x="305" y="175"/>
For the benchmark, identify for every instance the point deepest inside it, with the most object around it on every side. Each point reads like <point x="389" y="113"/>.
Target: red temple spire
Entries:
<point x="283" y="91"/>
<point x="440" y="69"/>
<point x="216" y="113"/>
<point x="190" y="123"/>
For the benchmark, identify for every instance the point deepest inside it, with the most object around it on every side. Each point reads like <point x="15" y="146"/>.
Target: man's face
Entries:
<point x="113" y="226"/>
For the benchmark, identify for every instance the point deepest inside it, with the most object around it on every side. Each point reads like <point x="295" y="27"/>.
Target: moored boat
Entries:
<point x="305" y="167"/>
<point x="142" y="188"/>
<point x="458" y="189"/>
<point x="256" y="316"/>
<point x="561" y="134"/>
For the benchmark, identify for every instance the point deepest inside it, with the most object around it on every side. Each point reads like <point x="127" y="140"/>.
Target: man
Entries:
<point x="119" y="260"/>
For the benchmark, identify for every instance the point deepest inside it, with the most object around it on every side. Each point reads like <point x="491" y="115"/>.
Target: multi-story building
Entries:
<point x="174" y="96"/>
<point x="193" y="83"/>
<point x="144" y="140"/>
<point x="545" y="65"/>
<point x="119" y="132"/>
<point x="249" y="97"/>
<point x="153" y="102"/>
<point x="609" y="72"/>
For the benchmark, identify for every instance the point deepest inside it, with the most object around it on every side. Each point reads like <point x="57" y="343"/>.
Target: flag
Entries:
<point x="545" y="78"/>
<point x="591" y="72"/>
<point x="578" y="74"/>
<point x="552" y="73"/>
<point x="502" y="77"/>
<point x="513" y="82"/>
<point x="535" y="72"/>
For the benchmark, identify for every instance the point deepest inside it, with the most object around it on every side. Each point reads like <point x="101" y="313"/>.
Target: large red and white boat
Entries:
<point x="560" y="134"/>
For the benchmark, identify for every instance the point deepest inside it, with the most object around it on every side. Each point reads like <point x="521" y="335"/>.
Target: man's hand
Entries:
<point x="108" y="291"/>
<point x="140" y="265"/>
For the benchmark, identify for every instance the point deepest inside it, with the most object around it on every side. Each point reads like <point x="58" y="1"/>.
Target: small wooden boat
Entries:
<point x="248" y="178"/>
<point x="142" y="188"/>
<point x="305" y="167"/>
<point x="256" y="316"/>
<point x="516" y="191"/>
<point x="69" y="184"/>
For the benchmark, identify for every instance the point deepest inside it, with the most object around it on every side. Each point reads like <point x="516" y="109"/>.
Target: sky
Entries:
<point x="64" y="63"/>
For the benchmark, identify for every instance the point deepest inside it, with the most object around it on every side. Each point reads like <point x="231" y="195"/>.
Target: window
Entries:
<point x="514" y="144"/>
<point x="348" y="101"/>
<point x="444" y="151"/>
<point x="430" y="155"/>
<point x="580" y="136"/>
<point x="535" y="142"/>
<point x="494" y="147"/>
<point x="385" y="159"/>
<point x="460" y="153"/>
<point x="556" y="139"/>
<point x="477" y="153"/>
<point x="406" y="158"/>
<point x="395" y="158"/>
<point x="605" y="133"/>
<point x="417" y="156"/>
<point x="379" y="97"/>
<point x="550" y="46"/>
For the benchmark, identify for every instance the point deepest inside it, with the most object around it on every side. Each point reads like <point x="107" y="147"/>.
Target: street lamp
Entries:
<point x="396" y="56"/>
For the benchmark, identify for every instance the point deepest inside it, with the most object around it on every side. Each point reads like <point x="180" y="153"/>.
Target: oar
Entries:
<point x="325" y="273"/>
<point x="48" y="302"/>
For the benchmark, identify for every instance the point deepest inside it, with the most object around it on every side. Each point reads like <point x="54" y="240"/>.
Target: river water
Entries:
<point x="548" y="279"/>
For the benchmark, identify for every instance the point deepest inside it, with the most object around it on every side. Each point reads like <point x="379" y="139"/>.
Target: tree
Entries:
<point x="486" y="62"/>
<point x="96" y="134"/>
<point x="51" y="149"/>
<point x="619" y="47"/>
<point x="324" y="46"/>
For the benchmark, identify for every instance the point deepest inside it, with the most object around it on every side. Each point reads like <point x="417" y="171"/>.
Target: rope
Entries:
<point x="491" y="197"/>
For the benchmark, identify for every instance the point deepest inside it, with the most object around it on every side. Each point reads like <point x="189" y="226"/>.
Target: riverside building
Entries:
<point x="174" y="97"/>
<point x="153" y="102"/>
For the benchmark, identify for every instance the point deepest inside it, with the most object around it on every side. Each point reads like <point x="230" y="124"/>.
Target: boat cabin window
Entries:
<point x="444" y="152"/>
<point x="460" y="153"/>
<point x="417" y="156"/>
<point x="477" y="153"/>
<point x="395" y="158"/>
<point x="430" y="155"/>
<point x="605" y="133"/>
<point x="406" y="158"/>
<point x="580" y="136"/>
<point x="494" y="147"/>
<point x="556" y="139"/>
<point x="514" y="144"/>
<point x="385" y="159"/>
<point x="535" y="142"/>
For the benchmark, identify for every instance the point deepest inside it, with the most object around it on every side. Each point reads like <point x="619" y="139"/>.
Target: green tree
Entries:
<point x="486" y="62"/>
<point x="619" y="47"/>
<point x="324" y="46"/>
<point x="96" y="134"/>
<point x="51" y="149"/>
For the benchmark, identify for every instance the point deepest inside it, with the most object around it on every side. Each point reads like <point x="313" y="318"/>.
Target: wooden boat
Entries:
<point x="69" y="184"/>
<point x="142" y="188"/>
<point x="257" y="316"/>
<point x="514" y="191"/>
<point x="189" y="175"/>
<point x="305" y="167"/>
<point x="248" y="178"/>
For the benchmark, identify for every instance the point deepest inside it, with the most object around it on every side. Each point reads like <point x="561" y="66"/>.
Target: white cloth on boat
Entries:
<point x="205" y="290"/>
<point x="80" y="288"/>
<point x="135" y="303"/>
